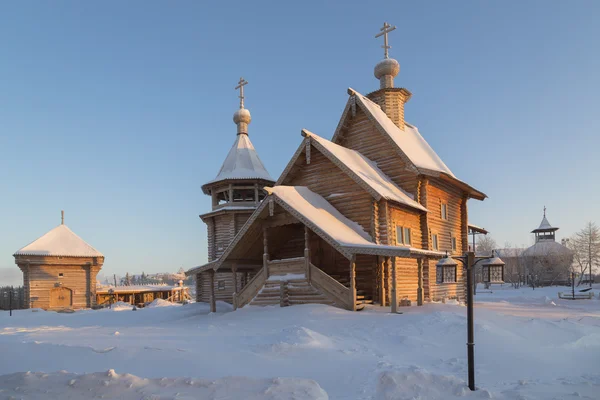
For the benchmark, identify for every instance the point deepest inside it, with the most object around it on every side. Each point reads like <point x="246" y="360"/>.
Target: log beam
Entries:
<point x="353" y="283"/>
<point x="213" y="302"/>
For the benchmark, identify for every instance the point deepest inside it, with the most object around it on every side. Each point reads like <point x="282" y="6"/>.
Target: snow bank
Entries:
<point x="286" y="277"/>
<point x="162" y="303"/>
<point x="63" y="385"/>
<point x="419" y="384"/>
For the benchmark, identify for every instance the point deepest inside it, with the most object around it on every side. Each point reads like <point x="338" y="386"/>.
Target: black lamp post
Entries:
<point x="469" y="261"/>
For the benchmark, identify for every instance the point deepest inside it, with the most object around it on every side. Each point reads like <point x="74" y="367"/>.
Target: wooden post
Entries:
<point x="213" y="302"/>
<point x="265" y="251"/>
<point x="256" y="193"/>
<point x="381" y="261"/>
<point x="235" y="287"/>
<point x="281" y="294"/>
<point x="420" y="288"/>
<point x="230" y="193"/>
<point x="393" y="288"/>
<point x="353" y="283"/>
<point x="307" y="252"/>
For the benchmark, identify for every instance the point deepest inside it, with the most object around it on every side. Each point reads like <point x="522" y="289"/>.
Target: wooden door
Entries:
<point x="61" y="297"/>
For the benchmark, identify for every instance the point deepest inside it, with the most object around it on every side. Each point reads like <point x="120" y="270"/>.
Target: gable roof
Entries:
<point x="358" y="167"/>
<point x="242" y="162"/>
<point x="321" y="217"/>
<point x="59" y="242"/>
<point x="409" y="142"/>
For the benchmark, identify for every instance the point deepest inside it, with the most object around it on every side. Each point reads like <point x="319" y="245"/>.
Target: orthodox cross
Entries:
<point x="62" y="217"/>
<point x="387" y="28"/>
<point x="240" y="86"/>
<point x="544" y="211"/>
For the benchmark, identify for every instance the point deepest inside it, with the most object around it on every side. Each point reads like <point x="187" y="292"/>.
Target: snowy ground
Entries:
<point x="529" y="345"/>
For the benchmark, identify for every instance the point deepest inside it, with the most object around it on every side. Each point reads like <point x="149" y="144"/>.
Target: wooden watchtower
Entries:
<point x="59" y="270"/>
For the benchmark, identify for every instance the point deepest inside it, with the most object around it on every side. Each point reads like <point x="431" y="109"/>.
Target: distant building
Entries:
<point x="546" y="262"/>
<point x="59" y="270"/>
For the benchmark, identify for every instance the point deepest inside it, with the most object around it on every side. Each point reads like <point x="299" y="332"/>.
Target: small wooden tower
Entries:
<point x="236" y="192"/>
<point x="59" y="270"/>
<point x="545" y="232"/>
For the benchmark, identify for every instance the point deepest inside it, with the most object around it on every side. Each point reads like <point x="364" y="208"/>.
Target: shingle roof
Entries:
<point x="242" y="162"/>
<point x="60" y="241"/>
<point x="367" y="172"/>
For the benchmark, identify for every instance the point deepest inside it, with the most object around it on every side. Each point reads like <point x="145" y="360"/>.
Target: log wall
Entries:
<point x="225" y="294"/>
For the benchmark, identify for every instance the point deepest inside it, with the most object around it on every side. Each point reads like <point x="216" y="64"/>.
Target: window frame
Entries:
<point x="444" y="211"/>
<point x="453" y="243"/>
<point x="219" y="282"/>
<point x="403" y="230"/>
<point x="435" y="241"/>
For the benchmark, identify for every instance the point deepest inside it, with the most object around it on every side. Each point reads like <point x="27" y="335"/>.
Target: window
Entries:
<point x="221" y="285"/>
<point x="444" y="211"/>
<point x="445" y="274"/>
<point x="60" y="274"/>
<point x="454" y="246"/>
<point x="434" y="241"/>
<point x="403" y="235"/>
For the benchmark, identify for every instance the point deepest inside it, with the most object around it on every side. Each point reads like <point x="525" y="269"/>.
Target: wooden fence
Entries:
<point x="18" y="297"/>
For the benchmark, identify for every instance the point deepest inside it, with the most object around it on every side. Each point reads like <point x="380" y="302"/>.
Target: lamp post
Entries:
<point x="469" y="261"/>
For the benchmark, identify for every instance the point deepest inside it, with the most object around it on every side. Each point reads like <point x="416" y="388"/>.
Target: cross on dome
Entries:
<point x="240" y="86"/>
<point x="387" y="28"/>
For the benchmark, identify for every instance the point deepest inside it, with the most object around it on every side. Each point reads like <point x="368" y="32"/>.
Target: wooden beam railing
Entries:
<point x="250" y="291"/>
<point x="326" y="284"/>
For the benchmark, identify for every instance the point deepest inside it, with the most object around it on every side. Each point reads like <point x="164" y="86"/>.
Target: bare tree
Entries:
<point x="485" y="245"/>
<point x="586" y="246"/>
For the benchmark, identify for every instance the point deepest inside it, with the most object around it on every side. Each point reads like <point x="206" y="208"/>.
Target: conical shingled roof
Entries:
<point x="59" y="242"/>
<point x="242" y="162"/>
<point x="545" y="226"/>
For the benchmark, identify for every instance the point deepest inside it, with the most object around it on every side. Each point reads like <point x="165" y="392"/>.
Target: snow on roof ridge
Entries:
<point x="368" y="171"/>
<point x="408" y="140"/>
<point x="59" y="242"/>
<point x="242" y="162"/>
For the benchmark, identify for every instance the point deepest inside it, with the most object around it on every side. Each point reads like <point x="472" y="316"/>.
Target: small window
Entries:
<point x="221" y="285"/>
<point x="434" y="241"/>
<point x="445" y="274"/>
<point x="444" y="211"/>
<point x="454" y="246"/>
<point x="60" y="274"/>
<point x="403" y="235"/>
<point x="407" y="236"/>
<point x="399" y="234"/>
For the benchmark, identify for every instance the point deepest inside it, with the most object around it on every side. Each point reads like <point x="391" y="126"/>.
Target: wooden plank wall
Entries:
<point x="203" y="286"/>
<point x="438" y="192"/>
<point x="43" y="278"/>
<point x="328" y="180"/>
<point x="363" y="136"/>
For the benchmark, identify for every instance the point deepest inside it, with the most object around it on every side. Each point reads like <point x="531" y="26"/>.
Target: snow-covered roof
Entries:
<point x="321" y="213"/>
<point x="548" y="248"/>
<point x="367" y="171"/>
<point x="60" y="241"/>
<point x="408" y="140"/>
<point x="242" y="162"/>
<point x="545" y="226"/>
<point x="138" y="288"/>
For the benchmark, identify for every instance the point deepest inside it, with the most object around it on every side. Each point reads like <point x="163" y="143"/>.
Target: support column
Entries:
<point x="382" y="293"/>
<point x="265" y="251"/>
<point x="307" y="252"/>
<point x="256" y="194"/>
<point x="235" y="286"/>
<point x="393" y="289"/>
<point x="213" y="302"/>
<point x="420" y="288"/>
<point x="353" y="283"/>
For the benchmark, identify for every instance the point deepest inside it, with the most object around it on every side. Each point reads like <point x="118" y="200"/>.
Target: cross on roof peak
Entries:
<point x="544" y="211"/>
<point x="240" y="86"/>
<point x="387" y="28"/>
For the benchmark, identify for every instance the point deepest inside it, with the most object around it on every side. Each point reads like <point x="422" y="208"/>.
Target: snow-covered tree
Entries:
<point x="586" y="246"/>
<point x="485" y="245"/>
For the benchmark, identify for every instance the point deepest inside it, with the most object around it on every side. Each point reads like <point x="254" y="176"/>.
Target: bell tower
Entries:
<point x="237" y="190"/>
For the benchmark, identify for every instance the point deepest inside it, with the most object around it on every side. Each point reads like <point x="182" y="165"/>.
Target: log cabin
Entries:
<point x="59" y="270"/>
<point x="360" y="219"/>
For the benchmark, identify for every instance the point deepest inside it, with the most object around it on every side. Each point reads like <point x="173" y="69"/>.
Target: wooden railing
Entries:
<point x="250" y="290"/>
<point x="286" y="265"/>
<point x="325" y="283"/>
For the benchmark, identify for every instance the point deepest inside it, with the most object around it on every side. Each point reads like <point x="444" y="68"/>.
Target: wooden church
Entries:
<point x="59" y="270"/>
<point x="359" y="219"/>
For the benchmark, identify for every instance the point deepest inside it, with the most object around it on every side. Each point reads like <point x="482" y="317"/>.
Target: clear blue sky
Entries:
<point x="117" y="112"/>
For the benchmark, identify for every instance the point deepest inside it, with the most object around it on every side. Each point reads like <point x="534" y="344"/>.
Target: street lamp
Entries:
<point x="469" y="261"/>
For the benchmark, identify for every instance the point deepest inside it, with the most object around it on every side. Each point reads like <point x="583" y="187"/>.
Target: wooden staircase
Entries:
<point x="361" y="297"/>
<point x="293" y="281"/>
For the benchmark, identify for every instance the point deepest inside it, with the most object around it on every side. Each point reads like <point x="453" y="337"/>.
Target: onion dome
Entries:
<point x="242" y="118"/>
<point x="386" y="70"/>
